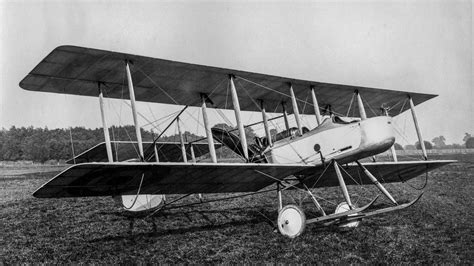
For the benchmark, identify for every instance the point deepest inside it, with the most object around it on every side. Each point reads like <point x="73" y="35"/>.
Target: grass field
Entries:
<point x="438" y="229"/>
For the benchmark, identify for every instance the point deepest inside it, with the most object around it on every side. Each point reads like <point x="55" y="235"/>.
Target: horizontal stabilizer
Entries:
<point x="127" y="150"/>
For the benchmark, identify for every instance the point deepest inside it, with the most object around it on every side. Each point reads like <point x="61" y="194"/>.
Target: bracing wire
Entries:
<point x="355" y="181"/>
<point x="136" y="197"/>
<point x="281" y="93"/>
<point x="291" y="185"/>
<point x="156" y="139"/>
<point x="403" y="106"/>
<point x="72" y="145"/>
<point x="160" y="88"/>
<point x="70" y="135"/>
<point x="350" y="104"/>
<point x="368" y="104"/>
<point x="305" y="102"/>
<point x="415" y="188"/>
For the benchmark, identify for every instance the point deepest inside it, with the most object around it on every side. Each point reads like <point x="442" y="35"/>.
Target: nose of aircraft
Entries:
<point x="377" y="134"/>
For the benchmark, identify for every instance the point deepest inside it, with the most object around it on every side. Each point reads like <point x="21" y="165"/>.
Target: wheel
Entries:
<point x="343" y="207"/>
<point x="291" y="221"/>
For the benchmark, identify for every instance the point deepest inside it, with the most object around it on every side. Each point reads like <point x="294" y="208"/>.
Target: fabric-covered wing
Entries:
<point x="78" y="70"/>
<point x="126" y="150"/>
<point x="108" y="179"/>
<point x="385" y="172"/>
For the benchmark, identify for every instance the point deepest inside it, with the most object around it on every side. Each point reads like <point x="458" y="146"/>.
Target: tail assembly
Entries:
<point x="232" y="141"/>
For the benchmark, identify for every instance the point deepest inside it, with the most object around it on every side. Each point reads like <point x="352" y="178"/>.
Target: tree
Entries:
<point x="43" y="144"/>
<point x="34" y="146"/>
<point x="398" y="146"/>
<point x="428" y="145"/>
<point x="439" y="142"/>
<point x="12" y="143"/>
<point x="470" y="143"/>
<point x="466" y="137"/>
<point x="410" y="147"/>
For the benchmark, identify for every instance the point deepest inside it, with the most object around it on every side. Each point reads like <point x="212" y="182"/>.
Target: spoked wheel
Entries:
<point x="343" y="207"/>
<point x="291" y="221"/>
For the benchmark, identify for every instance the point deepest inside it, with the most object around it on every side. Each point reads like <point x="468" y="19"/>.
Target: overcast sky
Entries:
<point x="420" y="46"/>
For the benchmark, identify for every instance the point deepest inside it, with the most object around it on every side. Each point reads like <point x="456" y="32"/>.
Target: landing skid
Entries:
<point x="292" y="223"/>
<point x="384" y="210"/>
<point x="342" y="215"/>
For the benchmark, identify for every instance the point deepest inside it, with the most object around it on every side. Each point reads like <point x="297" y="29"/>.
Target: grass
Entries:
<point x="438" y="229"/>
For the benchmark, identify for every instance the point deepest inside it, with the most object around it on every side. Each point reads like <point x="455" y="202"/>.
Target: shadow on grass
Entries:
<point x="131" y="236"/>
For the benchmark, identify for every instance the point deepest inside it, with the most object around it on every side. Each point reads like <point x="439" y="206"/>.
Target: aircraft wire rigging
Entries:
<point x="287" y="157"/>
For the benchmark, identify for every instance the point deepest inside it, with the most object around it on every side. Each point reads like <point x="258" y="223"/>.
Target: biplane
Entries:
<point x="324" y="153"/>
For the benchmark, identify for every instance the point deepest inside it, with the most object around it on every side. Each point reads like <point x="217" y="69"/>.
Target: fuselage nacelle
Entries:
<point x="344" y="141"/>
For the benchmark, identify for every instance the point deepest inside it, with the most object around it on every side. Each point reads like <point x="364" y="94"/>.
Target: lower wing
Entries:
<point x="386" y="172"/>
<point x="109" y="179"/>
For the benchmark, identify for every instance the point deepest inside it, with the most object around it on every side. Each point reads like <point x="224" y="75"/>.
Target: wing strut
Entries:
<point x="210" y="140"/>
<point x="240" y="125"/>
<point x="362" y="112"/>
<point x="265" y="124"/>
<point x="134" y="111"/>
<point x="377" y="183"/>
<point x="285" y="116"/>
<point x="392" y="149"/>
<point x="181" y="142"/>
<point x="316" y="106"/>
<point x="155" y="150"/>
<point x="342" y="184"/>
<point x="193" y="159"/>
<point x="108" y="146"/>
<point x="191" y="150"/>
<point x="296" y="112"/>
<point x="360" y="104"/>
<point x="418" y="131"/>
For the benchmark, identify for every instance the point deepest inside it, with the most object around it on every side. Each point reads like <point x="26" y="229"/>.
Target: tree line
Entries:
<point x="43" y="144"/>
<point x="440" y="143"/>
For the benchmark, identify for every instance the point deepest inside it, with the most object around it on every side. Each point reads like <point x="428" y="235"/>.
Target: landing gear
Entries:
<point x="344" y="207"/>
<point x="291" y="221"/>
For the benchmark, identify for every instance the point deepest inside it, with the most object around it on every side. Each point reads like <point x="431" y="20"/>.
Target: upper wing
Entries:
<point x="126" y="150"/>
<point x="106" y="179"/>
<point x="78" y="70"/>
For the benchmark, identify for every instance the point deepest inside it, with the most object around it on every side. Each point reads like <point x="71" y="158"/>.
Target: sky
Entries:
<point x="418" y="46"/>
